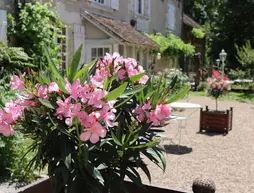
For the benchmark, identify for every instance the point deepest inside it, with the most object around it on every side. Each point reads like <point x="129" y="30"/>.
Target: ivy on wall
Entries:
<point x="35" y="25"/>
<point x="172" y="45"/>
<point x="198" y="33"/>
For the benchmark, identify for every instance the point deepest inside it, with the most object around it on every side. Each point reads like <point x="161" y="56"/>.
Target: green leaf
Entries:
<point x="105" y="84"/>
<point x="147" y="145"/>
<point x="56" y="76"/>
<point x="135" y="178"/>
<point x="179" y="94"/>
<point x="116" y="92"/>
<point x="46" y="103"/>
<point x="115" y="139"/>
<point x="134" y="90"/>
<point x="145" y="169"/>
<point x="67" y="160"/>
<point x="83" y="73"/>
<point x="72" y="69"/>
<point x="137" y="77"/>
<point x="123" y="102"/>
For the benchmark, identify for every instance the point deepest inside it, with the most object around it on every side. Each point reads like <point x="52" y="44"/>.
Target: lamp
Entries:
<point x="218" y="63"/>
<point x="158" y="56"/>
<point x="223" y="57"/>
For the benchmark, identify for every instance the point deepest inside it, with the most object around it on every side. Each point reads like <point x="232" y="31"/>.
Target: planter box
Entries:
<point x="216" y="121"/>
<point x="44" y="186"/>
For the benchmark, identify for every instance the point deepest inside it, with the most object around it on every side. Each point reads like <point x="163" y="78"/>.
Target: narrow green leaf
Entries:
<point x="72" y="69"/>
<point x="147" y="145"/>
<point x="134" y="90"/>
<point x="67" y="160"/>
<point x="179" y="94"/>
<point x="83" y="73"/>
<point x="46" y="103"/>
<point x="56" y="76"/>
<point x="123" y="102"/>
<point x="137" y="77"/>
<point x="105" y="84"/>
<point x="115" y="139"/>
<point x="116" y="92"/>
<point x="145" y="169"/>
<point x="134" y="178"/>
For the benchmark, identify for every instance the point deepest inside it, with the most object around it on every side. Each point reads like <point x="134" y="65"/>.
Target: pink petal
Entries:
<point x="94" y="138"/>
<point x="85" y="136"/>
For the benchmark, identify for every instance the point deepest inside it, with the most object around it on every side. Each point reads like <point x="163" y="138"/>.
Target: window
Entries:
<point x="99" y="52"/>
<point x="99" y="1"/>
<point x="63" y="46"/>
<point x="171" y="16"/>
<point x="140" y="7"/>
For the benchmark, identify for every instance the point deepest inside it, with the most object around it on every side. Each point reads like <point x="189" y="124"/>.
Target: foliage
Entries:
<point x="13" y="58"/>
<point x="36" y="25"/>
<point x="92" y="126"/>
<point x="198" y="33"/>
<point x="217" y="86"/>
<point x="237" y="74"/>
<point x="12" y="149"/>
<point x="202" y="86"/>
<point x="182" y="78"/>
<point x="245" y="55"/>
<point x="172" y="45"/>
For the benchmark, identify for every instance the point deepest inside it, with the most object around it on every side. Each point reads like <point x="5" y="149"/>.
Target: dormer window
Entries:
<point x="143" y="7"/>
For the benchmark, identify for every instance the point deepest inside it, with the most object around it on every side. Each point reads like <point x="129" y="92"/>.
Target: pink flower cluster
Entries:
<point x="87" y="104"/>
<point x="113" y="64"/>
<point x="155" y="116"/>
<point x="84" y="102"/>
<point x="218" y="81"/>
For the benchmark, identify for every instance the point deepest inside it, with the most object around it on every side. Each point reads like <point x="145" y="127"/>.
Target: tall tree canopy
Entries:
<point x="229" y="22"/>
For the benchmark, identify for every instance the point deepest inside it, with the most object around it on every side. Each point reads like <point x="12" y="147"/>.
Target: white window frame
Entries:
<point x="142" y="8"/>
<point x="97" y="47"/>
<point x="105" y="3"/>
<point x="171" y="22"/>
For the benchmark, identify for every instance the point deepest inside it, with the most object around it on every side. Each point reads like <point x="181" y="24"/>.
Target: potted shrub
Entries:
<point x="93" y="126"/>
<point x="216" y="120"/>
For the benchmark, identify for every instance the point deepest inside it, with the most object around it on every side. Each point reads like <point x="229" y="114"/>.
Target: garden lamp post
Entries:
<point x="218" y="63"/>
<point x="158" y="56"/>
<point x="223" y="56"/>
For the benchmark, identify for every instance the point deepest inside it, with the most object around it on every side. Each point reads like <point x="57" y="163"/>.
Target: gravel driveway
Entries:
<point x="227" y="160"/>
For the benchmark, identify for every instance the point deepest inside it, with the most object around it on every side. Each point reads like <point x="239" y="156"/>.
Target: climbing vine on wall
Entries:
<point x="172" y="45"/>
<point x="35" y="25"/>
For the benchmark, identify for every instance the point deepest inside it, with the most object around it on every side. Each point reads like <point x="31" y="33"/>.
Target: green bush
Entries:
<point x="12" y="149"/>
<point x="13" y="163"/>
<point x="202" y="86"/>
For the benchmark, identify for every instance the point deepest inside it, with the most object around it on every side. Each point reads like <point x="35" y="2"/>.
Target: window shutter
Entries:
<point x="136" y="6"/>
<point x="3" y="25"/>
<point x="79" y="38"/>
<point x="115" y="4"/>
<point x="171" y="16"/>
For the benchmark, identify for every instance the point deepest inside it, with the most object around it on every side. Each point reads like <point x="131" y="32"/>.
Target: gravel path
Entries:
<point x="228" y="160"/>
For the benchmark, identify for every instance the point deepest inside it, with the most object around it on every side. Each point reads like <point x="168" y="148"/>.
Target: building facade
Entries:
<point x="115" y="26"/>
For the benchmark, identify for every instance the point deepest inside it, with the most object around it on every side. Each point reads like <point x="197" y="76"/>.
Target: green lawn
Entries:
<point x="243" y="97"/>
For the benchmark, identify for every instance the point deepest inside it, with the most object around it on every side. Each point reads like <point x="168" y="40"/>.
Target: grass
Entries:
<point x="242" y="97"/>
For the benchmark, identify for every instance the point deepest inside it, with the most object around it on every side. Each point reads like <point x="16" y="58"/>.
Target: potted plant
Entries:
<point x="91" y="127"/>
<point x="215" y="120"/>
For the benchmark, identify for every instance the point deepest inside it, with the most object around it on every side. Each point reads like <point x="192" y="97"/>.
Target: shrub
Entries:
<point x="202" y="86"/>
<point x="92" y="126"/>
<point x="198" y="33"/>
<point x="36" y="25"/>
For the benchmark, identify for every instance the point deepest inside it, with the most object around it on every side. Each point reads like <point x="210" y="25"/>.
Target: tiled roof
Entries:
<point x="190" y="22"/>
<point x="124" y="31"/>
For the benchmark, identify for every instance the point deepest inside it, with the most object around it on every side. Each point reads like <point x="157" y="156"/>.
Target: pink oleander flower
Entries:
<point x="131" y="71"/>
<point x="13" y="110"/>
<point x="42" y="92"/>
<point x="95" y="98"/>
<point x="162" y="112"/>
<point x="17" y="83"/>
<point x="121" y="74"/>
<point x="64" y="109"/>
<point x="73" y="89"/>
<point x="143" y="80"/>
<point x="93" y="131"/>
<point x="53" y="87"/>
<point x="152" y="118"/>
<point x="141" y="113"/>
<point x="107" y="115"/>
<point x="6" y="129"/>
